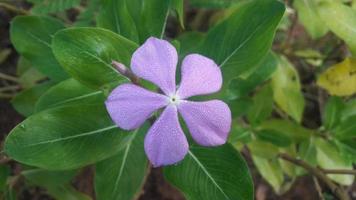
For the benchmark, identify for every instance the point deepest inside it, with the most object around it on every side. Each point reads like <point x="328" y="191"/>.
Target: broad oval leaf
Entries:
<point x="275" y="137"/>
<point x="24" y="102"/>
<point x="241" y="41"/>
<point x="287" y="89"/>
<point x="332" y="113"/>
<point x="271" y="171"/>
<point x="341" y="20"/>
<point x="346" y="129"/>
<point x="340" y="79"/>
<point x="309" y="17"/>
<point x="65" y="138"/>
<point x="32" y="36"/>
<point x="86" y="54"/>
<point x="212" y="173"/>
<point x="68" y="93"/>
<point x="121" y="176"/>
<point x="262" y="105"/>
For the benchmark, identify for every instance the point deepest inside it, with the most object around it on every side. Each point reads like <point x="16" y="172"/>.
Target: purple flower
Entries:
<point x="130" y="105"/>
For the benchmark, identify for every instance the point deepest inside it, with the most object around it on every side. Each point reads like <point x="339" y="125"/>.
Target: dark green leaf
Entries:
<point x="69" y="93"/>
<point x="189" y="43"/>
<point x="86" y="54"/>
<point x="213" y="3"/>
<point x="45" y="178"/>
<point x="212" y="173"/>
<point x="178" y="6"/>
<point x="115" y="16"/>
<point x="4" y="174"/>
<point x="74" y="136"/>
<point x="121" y="176"/>
<point x="346" y="129"/>
<point x="274" y="137"/>
<point x="262" y="105"/>
<point x="51" y="6"/>
<point x="240" y="107"/>
<point x="332" y="112"/>
<point x="295" y="131"/>
<point x="31" y="36"/>
<point x="241" y="41"/>
<point x="87" y="17"/>
<point x="25" y="101"/>
<point x="349" y="110"/>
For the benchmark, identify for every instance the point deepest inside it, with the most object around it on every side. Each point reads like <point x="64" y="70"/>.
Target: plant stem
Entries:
<point x="11" y="87"/>
<point x="335" y="189"/>
<point x="13" y="8"/>
<point x="339" y="171"/>
<point x="8" y="77"/>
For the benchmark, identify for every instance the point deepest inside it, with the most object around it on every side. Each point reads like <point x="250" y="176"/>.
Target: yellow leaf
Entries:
<point x="340" y="79"/>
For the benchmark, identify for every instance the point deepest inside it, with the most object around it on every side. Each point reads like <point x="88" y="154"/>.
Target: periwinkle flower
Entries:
<point x="130" y="105"/>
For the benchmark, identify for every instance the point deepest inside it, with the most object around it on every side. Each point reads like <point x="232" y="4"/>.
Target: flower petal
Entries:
<point x="165" y="142"/>
<point x="209" y="122"/>
<point x="156" y="61"/>
<point x="200" y="75"/>
<point x="129" y="105"/>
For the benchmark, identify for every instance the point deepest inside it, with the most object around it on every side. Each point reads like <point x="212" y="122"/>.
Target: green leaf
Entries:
<point x="212" y="173"/>
<point x="45" y="178"/>
<point x="341" y="20"/>
<point x="115" y="16"/>
<point x="31" y="36"/>
<point x="213" y="3"/>
<point x="87" y="17"/>
<point x="121" y="176"/>
<point x="329" y="157"/>
<point x="24" y="102"/>
<point x="74" y="136"/>
<point x="275" y="137"/>
<point x="69" y="93"/>
<point x="240" y="106"/>
<point x="332" y="112"/>
<point x="263" y="149"/>
<point x="241" y="41"/>
<point x="309" y="17"/>
<point x="86" y="54"/>
<point x="346" y="129"/>
<point x="349" y="109"/>
<point x="262" y="105"/>
<point x="135" y="19"/>
<point x="57" y="183"/>
<point x="271" y="171"/>
<point x="291" y="129"/>
<point x="178" y="6"/>
<point x="4" y="174"/>
<point x="189" y="43"/>
<point x="52" y="6"/>
<point x="287" y="89"/>
<point x="240" y="86"/>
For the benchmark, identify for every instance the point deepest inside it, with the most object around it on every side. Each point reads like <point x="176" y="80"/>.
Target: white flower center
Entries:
<point x="174" y="99"/>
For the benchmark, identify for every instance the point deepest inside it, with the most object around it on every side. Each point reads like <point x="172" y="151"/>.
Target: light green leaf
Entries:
<point x="75" y="136"/>
<point x="263" y="149"/>
<point x="178" y="6"/>
<point x="250" y="28"/>
<point x="86" y="54"/>
<point x="287" y="90"/>
<point x="332" y="112"/>
<point x="212" y="173"/>
<point x="68" y="93"/>
<point x="309" y="17"/>
<point x="262" y="105"/>
<point x="24" y="102"/>
<point x="329" y="157"/>
<point x="31" y="36"/>
<point x="341" y="20"/>
<point x="213" y="3"/>
<point x="121" y="176"/>
<point x="271" y="171"/>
